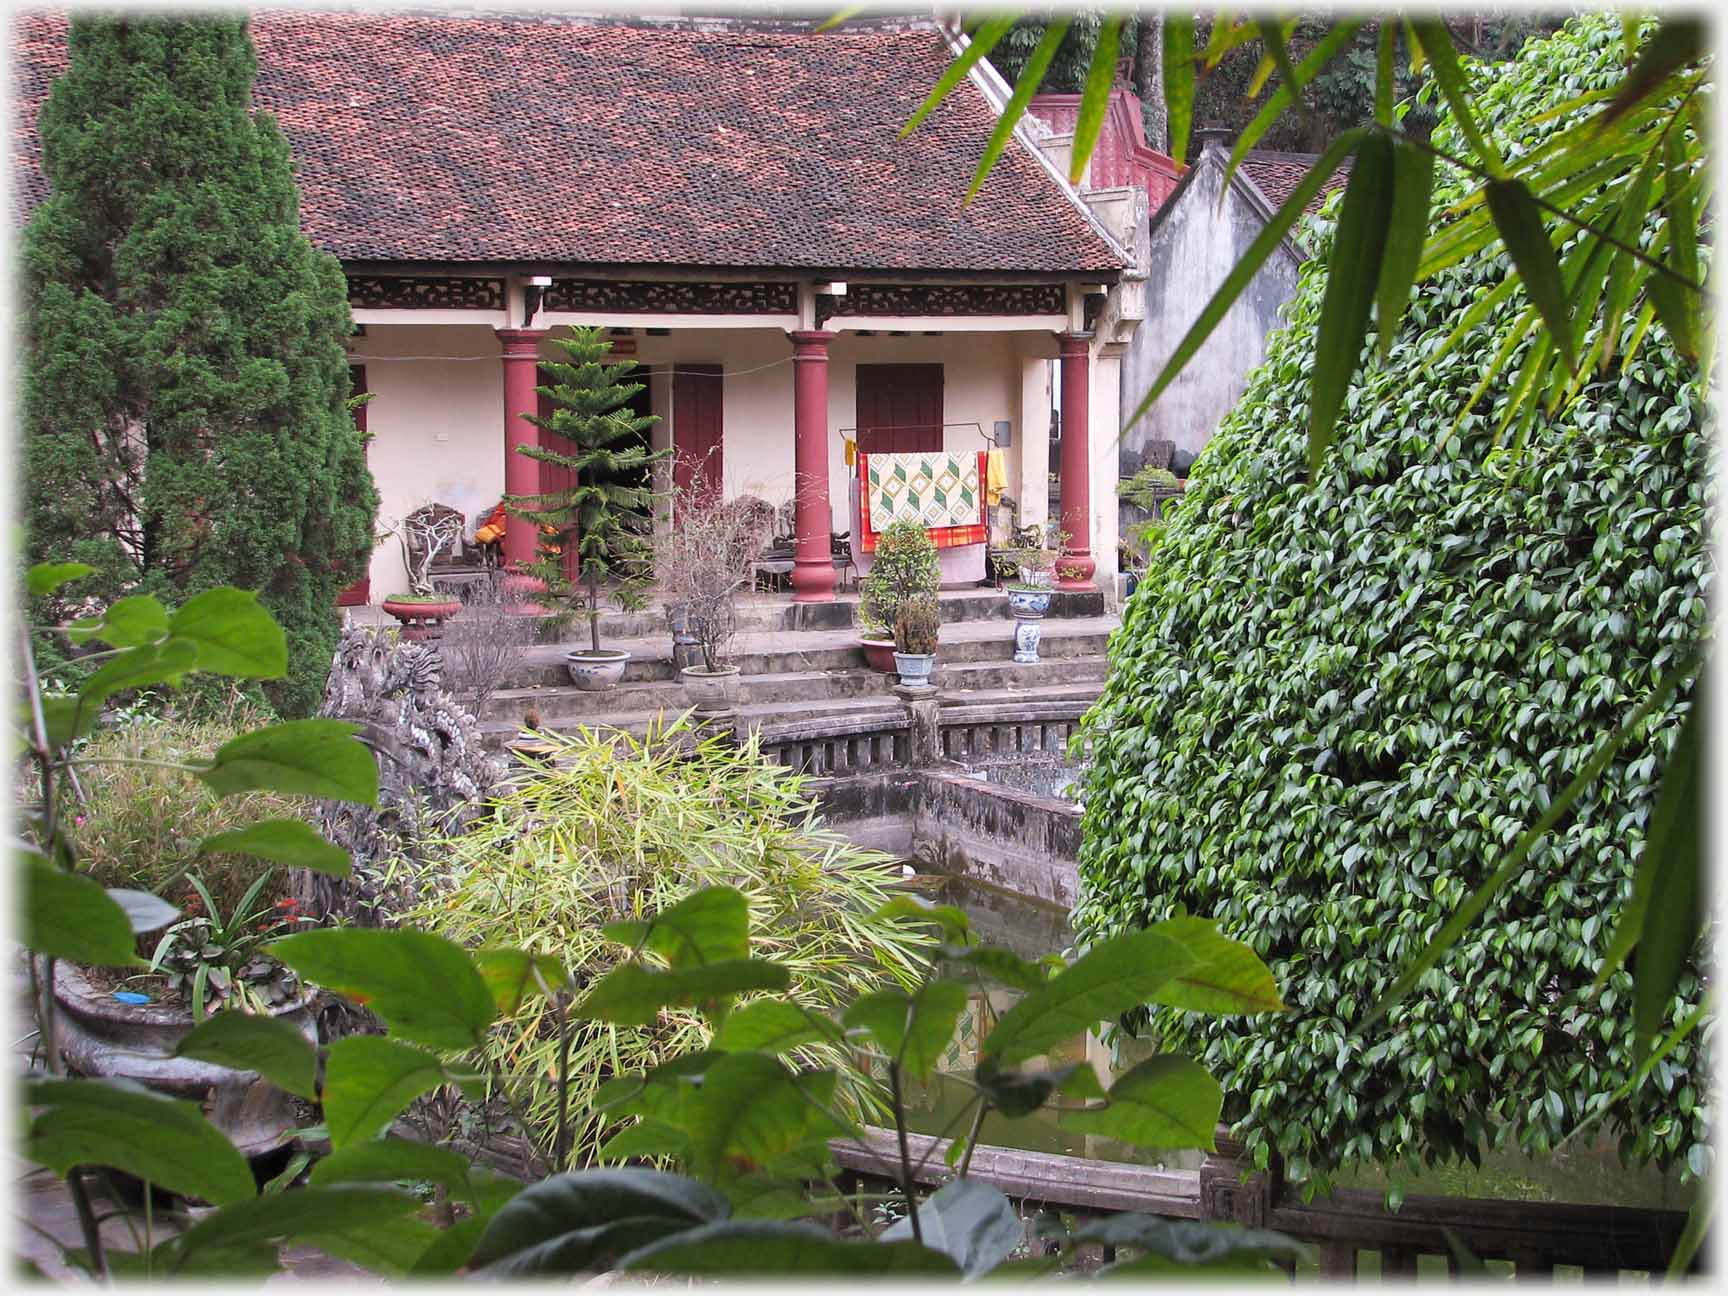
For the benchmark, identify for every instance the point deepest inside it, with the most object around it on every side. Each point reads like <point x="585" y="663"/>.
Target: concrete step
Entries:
<point x="557" y="706"/>
<point x="772" y="716"/>
<point x="780" y="653"/>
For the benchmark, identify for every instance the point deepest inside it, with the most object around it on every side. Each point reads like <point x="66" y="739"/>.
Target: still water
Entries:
<point x="1587" y="1173"/>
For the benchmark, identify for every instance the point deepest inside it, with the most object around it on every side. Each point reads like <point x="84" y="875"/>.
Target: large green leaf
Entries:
<point x="139" y="667"/>
<point x="125" y="623"/>
<point x="1406" y="232"/>
<point x="1678" y="42"/>
<point x="145" y="912"/>
<point x="1436" y="43"/>
<point x="584" y="1250"/>
<point x="159" y="1139"/>
<point x="1519" y="221"/>
<point x="234" y="633"/>
<point x="1114" y="976"/>
<point x="1179" y="80"/>
<point x="739" y="1247"/>
<point x="390" y="1250"/>
<point x="1167" y="1101"/>
<point x="270" y="1046"/>
<point x="514" y="976"/>
<point x="955" y="923"/>
<point x="772" y="1026"/>
<point x="750" y="1111"/>
<point x="1031" y="77"/>
<point x="45" y="578"/>
<point x="1020" y="1093"/>
<point x="1673" y="916"/>
<point x="368" y="1080"/>
<point x="647" y="1138"/>
<point x="1351" y="278"/>
<point x="632" y="995"/>
<point x="1190" y="1244"/>
<point x="970" y="1221"/>
<point x="69" y="916"/>
<point x="296" y="1214"/>
<point x="1343" y="32"/>
<point x="389" y="1159"/>
<point x="587" y="1199"/>
<point x="1004" y="965"/>
<point x="1095" y="95"/>
<point x="64" y="718"/>
<point x="318" y="758"/>
<point x="423" y="986"/>
<point x="979" y="44"/>
<point x="913" y="1030"/>
<point x="1226" y="975"/>
<point x="708" y="926"/>
<point x="292" y="842"/>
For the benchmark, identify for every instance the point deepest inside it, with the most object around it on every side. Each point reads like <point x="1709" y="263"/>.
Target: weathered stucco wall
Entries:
<point x="1009" y="839"/>
<point x="1192" y="250"/>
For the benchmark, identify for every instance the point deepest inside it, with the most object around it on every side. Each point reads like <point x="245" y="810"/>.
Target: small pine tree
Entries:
<point x="608" y="512"/>
<point x="185" y="385"/>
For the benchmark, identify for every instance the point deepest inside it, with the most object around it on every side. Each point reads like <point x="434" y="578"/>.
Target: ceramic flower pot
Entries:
<point x="593" y="671"/>
<point x="1029" y="602"/>
<point x="914" y="668"/>
<point x="1027" y="632"/>
<point x="102" y="1036"/>
<point x="421" y="619"/>
<point x="878" y="654"/>
<point x="710" y="691"/>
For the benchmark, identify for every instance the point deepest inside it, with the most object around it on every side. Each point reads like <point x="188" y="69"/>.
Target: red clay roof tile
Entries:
<point x="499" y="139"/>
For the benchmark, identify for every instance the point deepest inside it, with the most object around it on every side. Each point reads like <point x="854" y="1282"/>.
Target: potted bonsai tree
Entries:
<point x="903" y="567"/>
<point x="607" y="509"/>
<point x="425" y="534"/>
<point x="915" y="630"/>
<point x="702" y="560"/>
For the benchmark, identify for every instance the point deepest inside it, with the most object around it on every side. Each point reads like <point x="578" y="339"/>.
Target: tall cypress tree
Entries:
<point x="185" y="383"/>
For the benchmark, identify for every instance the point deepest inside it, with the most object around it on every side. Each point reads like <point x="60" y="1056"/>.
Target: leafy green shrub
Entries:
<point x="903" y="565"/>
<point x="1333" y="707"/>
<point x="612" y="831"/>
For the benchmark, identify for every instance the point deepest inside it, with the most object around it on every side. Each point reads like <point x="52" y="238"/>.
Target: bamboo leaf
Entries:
<point x="1275" y="35"/>
<point x="992" y="30"/>
<point x="1406" y="232"/>
<point x="1179" y="78"/>
<point x="1672" y="919"/>
<point x="1436" y="43"/>
<point x="1247" y="266"/>
<point x="1679" y="41"/>
<point x="1031" y="77"/>
<point x="1519" y="221"/>
<point x="1357" y="256"/>
<point x="1674" y="308"/>
<point x="1226" y="35"/>
<point x="1385" y="72"/>
<point x="1316" y="61"/>
<point x="1095" y="97"/>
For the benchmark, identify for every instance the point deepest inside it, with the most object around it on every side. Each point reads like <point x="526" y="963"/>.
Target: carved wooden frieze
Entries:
<point x="416" y="292"/>
<point x="642" y="297"/>
<point x="944" y="299"/>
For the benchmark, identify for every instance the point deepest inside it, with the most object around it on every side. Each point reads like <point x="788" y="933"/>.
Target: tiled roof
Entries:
<point x="1276" y="175"/>
<point x="498" y="139"/>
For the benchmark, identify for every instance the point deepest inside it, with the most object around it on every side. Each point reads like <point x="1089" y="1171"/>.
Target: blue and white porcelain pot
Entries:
<point x="1029" y="602"/>
<point x="592" y="671"/>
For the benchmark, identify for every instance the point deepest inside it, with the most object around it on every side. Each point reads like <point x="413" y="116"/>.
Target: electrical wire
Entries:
<point x="640" y="367"/>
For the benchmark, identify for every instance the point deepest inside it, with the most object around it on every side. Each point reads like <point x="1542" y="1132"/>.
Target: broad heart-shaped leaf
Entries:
<point x="320" y="758"/>
<point x="954" y="921"/>
<point x="1190" y="1244"/>
<point x="772" y="1026"/>
<point x="126" y="623"/>
<point x="973" y="1223"/>
<point x="1113" y="977"/>
<point x="1227" y="976"/>
<point x="1351" y="277"/>
<point x="1406" y="232"/>
<point x="295" y="1214"/>
<point x="293" y="842"/>
<point x="70" y="917"/>
<point x="1167" y="1101"/>
<point x="740" y="1247"/>
<point x="45" y="578"/>
<point x="514" y="976"/>
<point x="913" y="1030"/>
<point x="1004" y="965"/>
<point x="1519" y="221"/>
<point x="368" y="1079"/>
<point x="1020" y="1093"/>
<point x="163" y="1140"/>
<point x="423" y="986"/>
<point x="139" y="667"/>
<point x="708" y="926"/>
<point x="750" y="1110"/>
<point x="586" y="1199"/>
<point x="144" y="911"/>
<point x="235" y="635"/>
<point x="1673" y="917"/>
<point x="632" y="995"/>
<point x="389" y="1159"/>
<point x="247" y="1042"/>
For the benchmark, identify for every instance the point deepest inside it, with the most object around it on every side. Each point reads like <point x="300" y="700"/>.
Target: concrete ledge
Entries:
<point x="1017" y="841"/>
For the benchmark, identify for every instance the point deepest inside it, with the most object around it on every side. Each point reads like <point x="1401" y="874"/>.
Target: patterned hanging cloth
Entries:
<point x="941" y="489"/>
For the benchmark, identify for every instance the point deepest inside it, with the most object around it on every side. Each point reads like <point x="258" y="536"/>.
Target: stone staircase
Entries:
<point x="801" y="664"/>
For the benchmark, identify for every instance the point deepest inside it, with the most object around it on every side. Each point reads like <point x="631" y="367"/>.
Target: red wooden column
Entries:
<point x="521" y="474"/>
<point x="813" y="521"/>
<point x="1074" y="572"/>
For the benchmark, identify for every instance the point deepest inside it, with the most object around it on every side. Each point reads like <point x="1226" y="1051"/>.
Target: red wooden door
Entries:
<point x="359" y="594"/>
<point x="899" y="408"/>
<point x="699" y="464"/>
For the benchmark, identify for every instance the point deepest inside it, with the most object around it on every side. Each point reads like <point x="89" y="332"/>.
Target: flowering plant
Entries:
<point x="217" y="962"/>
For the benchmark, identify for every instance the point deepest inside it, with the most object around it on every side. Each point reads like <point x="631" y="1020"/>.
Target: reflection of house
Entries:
<point x="733" y="202"/>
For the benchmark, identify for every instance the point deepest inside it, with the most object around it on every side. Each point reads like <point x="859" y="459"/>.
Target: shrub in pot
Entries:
<point x="903" y="566"/>
<point x="426" y="533"/>
<point x="702" y="559"/>
<point x="915" y="632"/>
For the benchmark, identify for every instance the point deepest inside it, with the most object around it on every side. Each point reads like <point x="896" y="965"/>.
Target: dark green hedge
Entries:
<point x="1333" y="707"/>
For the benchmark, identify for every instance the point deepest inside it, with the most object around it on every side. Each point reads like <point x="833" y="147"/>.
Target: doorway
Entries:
<point x="899" y="408"/>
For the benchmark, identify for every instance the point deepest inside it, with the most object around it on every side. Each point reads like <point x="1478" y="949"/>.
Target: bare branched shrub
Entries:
<point x="703" y="558"/>
<point x="482" y="646"/>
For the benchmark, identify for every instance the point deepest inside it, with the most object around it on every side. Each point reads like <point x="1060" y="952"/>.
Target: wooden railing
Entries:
<point x="1534" y="1236"/>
